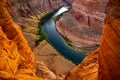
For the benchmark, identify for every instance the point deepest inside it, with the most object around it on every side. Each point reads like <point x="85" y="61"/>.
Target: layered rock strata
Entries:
<point x="17" y="60"/>
<point x="83" y="24"/>
<point x="108" y="52"/>
<point x="26" y="13"/>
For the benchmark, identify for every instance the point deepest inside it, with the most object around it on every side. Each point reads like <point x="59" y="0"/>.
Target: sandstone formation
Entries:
<point x="46" y="74"/>
<point x="87" y="70"/>
<point x="52" y="59"/>
<point x="17" y="60"/>
<point x="108" y="52"/>
<point x="83" y="24"/>
<point x="26" y="13"/>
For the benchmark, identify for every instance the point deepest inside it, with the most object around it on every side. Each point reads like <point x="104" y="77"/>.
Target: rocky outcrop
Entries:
<point x="83" y="24"/>
<point x="108" y="52"/>
<point x="17" y="60"/>
<point x="27" y="8"/>
<point x="52" y="59"/>
<point x="87" y="70"/>
<point x="26" y="13"/>
<point x="45" y="73"/>
<point x="28" y="23"/>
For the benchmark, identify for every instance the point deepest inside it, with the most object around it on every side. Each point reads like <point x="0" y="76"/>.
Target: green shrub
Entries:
<point x="43" y="19"/>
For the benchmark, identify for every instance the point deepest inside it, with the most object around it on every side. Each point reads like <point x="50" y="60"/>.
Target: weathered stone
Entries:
<point x="84" y="23"/>
<point x="108" y="52"/>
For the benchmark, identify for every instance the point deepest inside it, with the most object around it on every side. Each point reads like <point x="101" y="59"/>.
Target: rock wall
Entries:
<point x="84" y="23"/>
<point x="26" y="13"/>
<point x="109" y="52"/>
<point x="26" y="8"/>
<point x="17" y="60"/>
<point x="106" y="67"/>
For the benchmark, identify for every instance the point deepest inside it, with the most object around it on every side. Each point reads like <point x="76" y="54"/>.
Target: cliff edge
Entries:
<point x="106" y="65"/>
<point x="83" y="24"/>
<point x="17" y="60"/>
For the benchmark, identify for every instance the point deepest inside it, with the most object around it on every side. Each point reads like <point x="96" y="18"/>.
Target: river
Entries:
<point x="58" y="42"/>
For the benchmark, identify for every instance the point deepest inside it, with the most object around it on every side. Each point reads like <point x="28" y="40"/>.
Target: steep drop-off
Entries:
<point x="16" y="57"/>
<point x="106" y="65"/>
<point x="83" y="24"/>
<point x="26" y="13"/>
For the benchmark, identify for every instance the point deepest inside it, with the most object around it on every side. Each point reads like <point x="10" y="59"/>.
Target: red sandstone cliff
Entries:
<point x="106" y="65"/>
<point x="17" y="59"/>
<point x="26" y="13"/>
<point x="84" y="23"/>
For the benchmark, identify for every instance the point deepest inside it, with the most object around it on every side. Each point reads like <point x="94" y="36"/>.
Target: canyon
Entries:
<point x="26" y="13"/>
<point x="83" y="24"/>
<point x="17" y="58"/>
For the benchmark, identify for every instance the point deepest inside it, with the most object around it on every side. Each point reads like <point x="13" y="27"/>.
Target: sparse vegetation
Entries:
<point x="43" y="19"/>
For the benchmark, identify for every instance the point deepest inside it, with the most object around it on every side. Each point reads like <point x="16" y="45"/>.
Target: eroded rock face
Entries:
<point x="17" y="60"/>
<point x="52" y="59"/>
<point x="83" y="24"/>
<point x="87" y="70"/>
<point x="108" y="52"/>
<point x="26" y="8"/>
<point x="26" y="13"/>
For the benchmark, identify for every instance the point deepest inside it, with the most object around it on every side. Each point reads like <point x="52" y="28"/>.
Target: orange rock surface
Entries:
<point x="16" y="58"/>
<point x="87" y="70"/>
<point x="107" y="65"/>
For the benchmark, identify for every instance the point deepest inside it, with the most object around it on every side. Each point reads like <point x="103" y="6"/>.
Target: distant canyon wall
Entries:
<point x="26" y="13"/>
<point x="27" y="8"/>
<point x="83" y="24"/>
